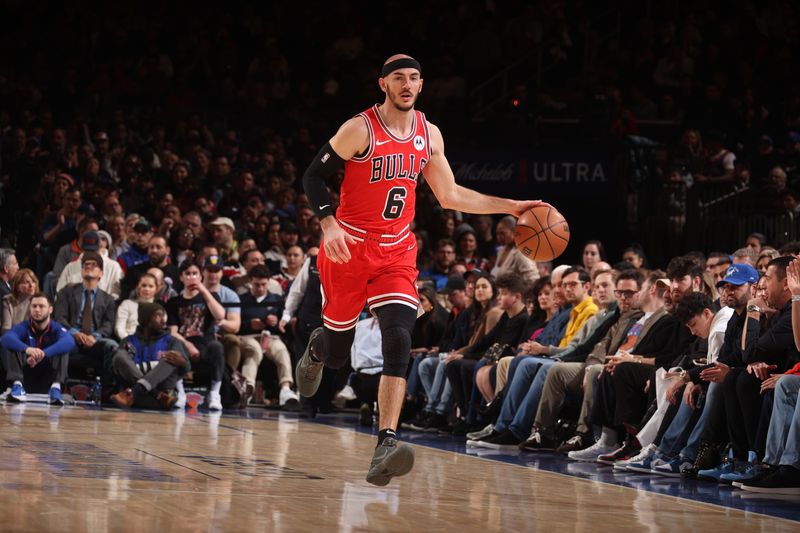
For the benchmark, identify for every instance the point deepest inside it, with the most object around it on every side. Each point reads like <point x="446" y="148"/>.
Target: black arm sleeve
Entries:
<point x="324" y="165"/>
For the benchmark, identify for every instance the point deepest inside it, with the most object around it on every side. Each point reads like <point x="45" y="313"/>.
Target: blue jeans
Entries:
<point x="437" y="387"/>
<point x="714" y="401"/>
<point x="523" y="395"/>
<point x="677" y="434"/>
<point x="783" y="439"/>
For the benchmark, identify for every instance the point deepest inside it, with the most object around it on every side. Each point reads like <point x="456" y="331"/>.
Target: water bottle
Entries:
<point x="97" y="391"/>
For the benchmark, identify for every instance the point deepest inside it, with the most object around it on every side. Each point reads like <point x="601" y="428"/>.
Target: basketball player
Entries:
<point x="368" y="252"/>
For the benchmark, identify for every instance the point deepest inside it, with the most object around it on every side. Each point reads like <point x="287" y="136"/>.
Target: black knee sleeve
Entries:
<point x="396" y="322"/>
<point x="335" y="350"/>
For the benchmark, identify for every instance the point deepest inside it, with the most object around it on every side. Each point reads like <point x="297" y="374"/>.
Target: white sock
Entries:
<point x="18" y="382"/>
<point x="609" y="436"/>
<point x="56" y="385"/>
<point x="215" y="385"/>
<point x="179" y="387"/>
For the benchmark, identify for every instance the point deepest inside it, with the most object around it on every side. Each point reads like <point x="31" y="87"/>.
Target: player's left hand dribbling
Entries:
<point x="523" y="205"/>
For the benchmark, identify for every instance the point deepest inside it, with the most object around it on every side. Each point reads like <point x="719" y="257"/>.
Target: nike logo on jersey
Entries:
<point x="379" y="143"/>
<point x="324" y="206"/>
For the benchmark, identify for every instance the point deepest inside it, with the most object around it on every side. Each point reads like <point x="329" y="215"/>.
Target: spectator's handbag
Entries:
<point x="496" y="351"/>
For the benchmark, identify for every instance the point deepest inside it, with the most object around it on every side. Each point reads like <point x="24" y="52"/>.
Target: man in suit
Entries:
<point x="89" y="313"/>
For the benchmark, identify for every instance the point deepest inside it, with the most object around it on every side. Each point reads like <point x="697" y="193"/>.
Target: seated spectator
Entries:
<point x="16" y="305"/>
<point x="635" y="256"/>
<point x="717" y="264"/>
<point x="509" y="258"/>
<point x="222" y="235"/>
<point x="70" y="251"/>
<point x="8" y="268"/>
<point x="764" y="350"/>
<point x="60" y="229"/>
<point x="116" y="230"/>
<point x="141" y="233"/>
<point x="719" y="162"/>
<point x="697" y="311"/>
<point x="524" y="389"/>
<point x="38" y="355"/>
<point x="366" y="358"/>
<point x="191" y="317"/>
<point x="756" y="241"/>
<point x="158" y="256"/>
<point x="430" y="369"/>
<point x="248" y="261"/>
<point x="767" y="254"/>
<point x="148" y="362"/>
<point x="444" y="259"/>
<point x="92" y="241"/>
<point x="182" y="245"/>
<point x="506" y="334"/>
<point x="90" y="314"/>
<point x="768" y="198"/>
<point x="260" y="336"/>
<point x="429" y="328"/>
<point x="295" y="257"/>
<point x="744" y="255"/>
<point x="567" y="376"/>
<point x="128" y="310"/>
<point x="164" y="290"/>
<point x="576" y="285"/>
<point x="649" y="341"/>
<point x="467" y="253"/>
<point x="593" y="253"/>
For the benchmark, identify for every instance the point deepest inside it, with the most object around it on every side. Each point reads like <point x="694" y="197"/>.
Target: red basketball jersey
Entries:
<point x="378" y="193"/>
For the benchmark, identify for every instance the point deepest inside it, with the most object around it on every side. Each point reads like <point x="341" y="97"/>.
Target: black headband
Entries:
<point x="403" y="62"/>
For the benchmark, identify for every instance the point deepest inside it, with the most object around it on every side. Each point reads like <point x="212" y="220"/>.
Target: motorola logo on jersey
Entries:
<point x="397" y="166"/>
<point x="419" y="143"/>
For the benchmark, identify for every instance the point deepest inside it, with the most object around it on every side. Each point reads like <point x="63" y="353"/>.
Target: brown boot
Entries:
<point x="165" y="400"/>
<point x="123" y="398"/>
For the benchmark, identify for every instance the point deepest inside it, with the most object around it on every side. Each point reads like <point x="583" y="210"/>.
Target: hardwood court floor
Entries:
<point x="79" y="469"/>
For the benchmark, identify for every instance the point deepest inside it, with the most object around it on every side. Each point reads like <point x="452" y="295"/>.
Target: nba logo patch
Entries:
<point x="419" y="142"/>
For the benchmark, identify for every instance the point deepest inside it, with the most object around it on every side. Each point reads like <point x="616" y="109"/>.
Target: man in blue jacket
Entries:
<point x="38" y="353"/>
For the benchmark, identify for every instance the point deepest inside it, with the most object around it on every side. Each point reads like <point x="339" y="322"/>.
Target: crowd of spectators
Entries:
<point x="157" y="235"/>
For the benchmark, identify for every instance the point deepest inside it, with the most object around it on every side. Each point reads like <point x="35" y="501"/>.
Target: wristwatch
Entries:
<point x="754" y="309"/>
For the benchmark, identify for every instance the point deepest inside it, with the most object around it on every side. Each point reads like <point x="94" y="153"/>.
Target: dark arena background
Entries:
<point x="652" y="378"/>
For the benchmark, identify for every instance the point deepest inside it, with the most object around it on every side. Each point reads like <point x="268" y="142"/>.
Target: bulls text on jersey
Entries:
<point x="396" y="166"/>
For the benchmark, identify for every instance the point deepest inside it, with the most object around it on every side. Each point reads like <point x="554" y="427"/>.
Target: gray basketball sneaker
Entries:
<point x="390" y="459"/>
<point x="309" y="372"/>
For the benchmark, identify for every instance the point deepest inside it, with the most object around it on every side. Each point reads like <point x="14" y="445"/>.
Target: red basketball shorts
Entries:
<point x="382" y="270"/>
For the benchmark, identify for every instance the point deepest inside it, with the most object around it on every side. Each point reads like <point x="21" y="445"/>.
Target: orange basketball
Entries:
<point x="542" y="233"/>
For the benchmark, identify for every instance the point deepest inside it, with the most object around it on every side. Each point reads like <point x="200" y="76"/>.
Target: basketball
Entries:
<point x="542" y="233"/>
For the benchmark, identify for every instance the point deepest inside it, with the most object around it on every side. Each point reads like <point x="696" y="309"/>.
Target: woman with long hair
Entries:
<point x="17" y="304"/>
<point x="128" y="311"/>
<point x="481" y="316"/>
<point x="593" y="253"/>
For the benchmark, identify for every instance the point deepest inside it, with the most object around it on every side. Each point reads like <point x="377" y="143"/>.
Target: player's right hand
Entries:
<point x="335" y="241"/>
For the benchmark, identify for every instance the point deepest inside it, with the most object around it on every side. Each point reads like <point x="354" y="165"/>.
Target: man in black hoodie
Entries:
<point x="148" y="362"/>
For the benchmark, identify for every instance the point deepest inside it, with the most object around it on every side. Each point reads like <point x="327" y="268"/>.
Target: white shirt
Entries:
<point x="716" y="333"/>
<point x="296" y="291"/>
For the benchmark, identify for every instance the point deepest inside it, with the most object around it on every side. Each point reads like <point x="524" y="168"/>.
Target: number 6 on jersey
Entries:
<point x="395" y="202"/>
